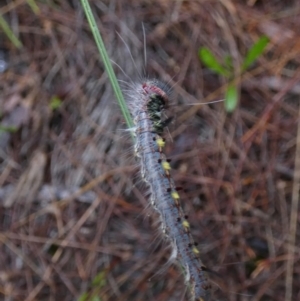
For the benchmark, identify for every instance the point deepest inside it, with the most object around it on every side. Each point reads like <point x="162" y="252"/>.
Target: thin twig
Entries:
<point x="293" y="221"/>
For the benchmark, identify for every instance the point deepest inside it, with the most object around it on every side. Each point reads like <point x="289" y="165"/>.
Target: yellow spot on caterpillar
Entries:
<point x="196" y="251"/>
<point x="186" y="225"/>
<point x="161" y="143"/>
<point x="175" y="195"/>
<point x="166" y="166"/>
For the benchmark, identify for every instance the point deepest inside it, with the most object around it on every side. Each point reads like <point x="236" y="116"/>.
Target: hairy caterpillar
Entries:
<point x="147" y="102"/>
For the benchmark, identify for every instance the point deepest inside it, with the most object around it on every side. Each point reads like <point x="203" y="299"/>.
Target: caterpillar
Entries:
<point x="147" y="102"/>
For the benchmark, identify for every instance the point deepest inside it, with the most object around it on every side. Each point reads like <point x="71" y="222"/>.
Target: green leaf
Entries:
<point x="255" y="51"/>
<point x="208" y="58"/>
<point x="55" y="102"/>
<point x="8" y="129"/>
<point x="95" y="298"/>
<point x="100" y="279"/>
<point x="228" y="62"/>
<point x="231" y="98"/>
<point x="83" y="297"/>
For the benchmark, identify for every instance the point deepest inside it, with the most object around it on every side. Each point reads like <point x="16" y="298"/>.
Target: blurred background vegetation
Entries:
<point x="73" y="223"/>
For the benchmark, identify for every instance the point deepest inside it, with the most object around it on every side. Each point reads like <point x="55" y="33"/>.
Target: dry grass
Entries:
<point x="72" y="206"/>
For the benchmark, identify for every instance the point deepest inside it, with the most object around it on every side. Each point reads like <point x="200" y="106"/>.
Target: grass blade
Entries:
<point x="16" y="42"/>
<point x="33" y="6"/>
<point x="106" y="62"/>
